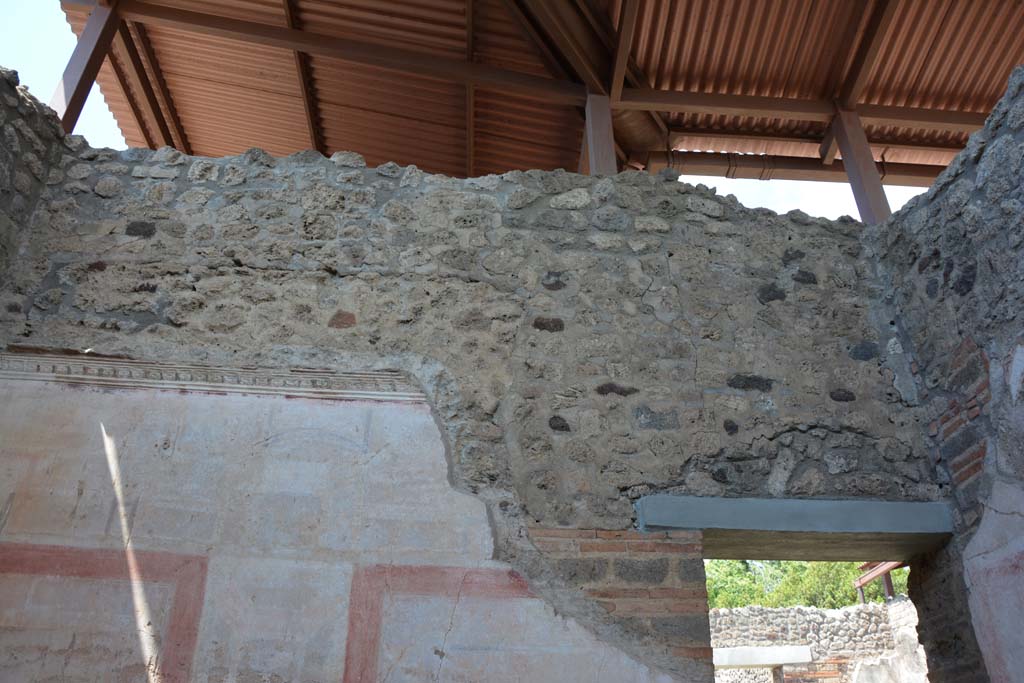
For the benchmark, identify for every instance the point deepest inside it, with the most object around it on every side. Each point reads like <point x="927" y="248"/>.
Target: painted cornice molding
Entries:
<point x="373" y="385"/>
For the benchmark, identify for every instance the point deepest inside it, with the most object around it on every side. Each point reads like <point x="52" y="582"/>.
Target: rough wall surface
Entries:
<point x="951" y="262"/>
<point x="860" y="630"/>
<point x="873" y="643"/>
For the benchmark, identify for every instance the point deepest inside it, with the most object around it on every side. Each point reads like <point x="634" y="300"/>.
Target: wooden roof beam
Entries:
<point x="573" y="42"/>
<point x="623" y="46"/>
<point x="879" y="25"/>
<point x="124" y="44"/>
<point x="770" y="167"/>
<point x="644" y="99"/>
<point x="163" y="93"/>
<point x="441" y="68"/>
<point x="470" y="96"/>
<point x="86" y="60"/>
<point x="309" y="103"/>
<point x="676" y="135"/>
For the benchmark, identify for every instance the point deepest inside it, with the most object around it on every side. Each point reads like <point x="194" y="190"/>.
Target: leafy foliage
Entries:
<point x="774" y="583"/>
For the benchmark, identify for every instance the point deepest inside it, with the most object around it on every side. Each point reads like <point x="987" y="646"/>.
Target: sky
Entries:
<point x="37" y="41"/>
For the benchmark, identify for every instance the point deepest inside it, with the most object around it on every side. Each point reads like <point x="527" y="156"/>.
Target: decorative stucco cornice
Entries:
<point x="375" y="385"/>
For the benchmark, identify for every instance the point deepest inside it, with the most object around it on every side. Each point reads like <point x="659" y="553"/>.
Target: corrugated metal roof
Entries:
<point x="231" y="95"/>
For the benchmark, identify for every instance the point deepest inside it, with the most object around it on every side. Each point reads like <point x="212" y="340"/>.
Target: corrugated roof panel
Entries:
<point x="231" y="95"/>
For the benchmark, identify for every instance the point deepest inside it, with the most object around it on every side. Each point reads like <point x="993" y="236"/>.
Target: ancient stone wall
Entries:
<point x="874" y="643"/>
<point x="951" y="264"/>
<point x="858" y="630"/>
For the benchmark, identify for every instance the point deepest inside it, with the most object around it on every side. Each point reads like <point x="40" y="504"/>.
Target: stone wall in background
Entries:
<point x="872" y="643"/>
<point x="951" y="264"/>
<point x="861" y="630"/>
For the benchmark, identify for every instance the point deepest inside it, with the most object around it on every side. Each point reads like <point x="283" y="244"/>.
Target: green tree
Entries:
<point x="772" y="583"/>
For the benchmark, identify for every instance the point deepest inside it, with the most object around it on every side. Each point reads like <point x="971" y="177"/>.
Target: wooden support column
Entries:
<point x="80" y="73"/>
<point x="600" y="140"/>
<point x="860" y="167"/>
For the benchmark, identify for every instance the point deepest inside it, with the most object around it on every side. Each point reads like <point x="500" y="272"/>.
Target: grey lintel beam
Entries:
<point x="599" y="136"/>
<point x="442" y="68"/>
<point x="802" y="529"/>
<point x="86" y="60"/>
<point x="623" y="46"/>
<point x="860" y="167"/>
<point x="768" y="167"/>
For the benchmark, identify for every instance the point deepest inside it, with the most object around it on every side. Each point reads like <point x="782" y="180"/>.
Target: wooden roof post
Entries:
<point x="600" y="139"/>
<point x="860" y="167"/>
<point x="80" y="73"/>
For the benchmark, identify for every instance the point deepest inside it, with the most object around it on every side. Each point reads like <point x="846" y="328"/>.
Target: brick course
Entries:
<point x="652" y="583"/>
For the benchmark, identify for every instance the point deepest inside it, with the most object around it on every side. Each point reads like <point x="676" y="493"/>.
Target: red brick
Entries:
<point x="691" y="536"/>
<point x="679" y="593"/>
<point x="952" y="427"/>
<point x="968" y="473"/>
<point x="542" y="532"/>
<point x="603" y="546"/>
<point x="664" y="547"/>
<point x="557" y="545"/>
<point x="969" y="456"/>
<point x="617" y="593"/>
<point x="648" y="607"/>
<point x="632" y="535"/>
<point x="693" y="652"/>
<point x="913" y="367"/>
<point x="984" y="396"/>
<point x="608" y="605"/>
<point x="973" y="412"/>
<point x="980" y="386"/>
<point x="933" y="428"/>
<point x="973" y="402"/>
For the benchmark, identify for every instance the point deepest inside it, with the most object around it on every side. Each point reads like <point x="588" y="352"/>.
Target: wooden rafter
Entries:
<point x="457" y="70"/>
<point x="769" y="167"/>
<point x="160" y="85"/>
<point x="124" y="44"/>
<point x="309" y="103"/>
<point x="470" y="95"/>
<point x="677" y="134"/>
<point x="646" y="99"/>
<point x="122" y="82"/>
<point x="557" y="70"/>
<point x="580" y="48"/>
<point x="86" y="60"/>
<point x="623" y="46"/>
<point x="879" y="25"/>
